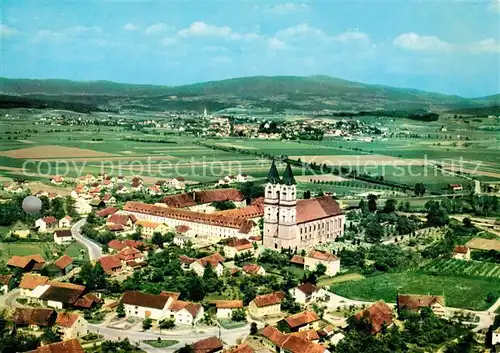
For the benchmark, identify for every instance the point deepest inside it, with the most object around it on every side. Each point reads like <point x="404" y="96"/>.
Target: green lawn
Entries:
<point x="459" y="292"/>
<point x="162" y="343"/>
<point x="7" y="250"/>
<point x="453" y="267"/>
<point x="230" y="324"/>
<point x="328" y="281"/>
<point x="74" y="250"/>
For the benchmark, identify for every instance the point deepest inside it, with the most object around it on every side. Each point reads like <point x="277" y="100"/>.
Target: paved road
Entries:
<point x="9" y="300"/>
<point x="184" y="337"/>
<point x="95" y="250"/>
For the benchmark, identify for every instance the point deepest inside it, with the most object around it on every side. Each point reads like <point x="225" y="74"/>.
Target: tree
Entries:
<point x="185" y="349"/>
<point x="147" y="324"/>
<point x="120" y="310"/>
<point x="49" y="336"/>
<point x="436" y="216"/>
<point x="372" y="203"/>
<point x="374" y="232"/>
<point x="390" y="206"/>
<point x="419" y="189"/>
<point x="58" y="209"/>
<point x="467" y="222"/>
<point x="253" y="328"/>
<point x="320" y="270"/>
<point x="223" y="205"/>
<point x="157" y="239"/>
<point x="238" y="315"/>
<point x="363" y="206"/>
<point x="307" y="194"/>
<point x="167" y="324"/>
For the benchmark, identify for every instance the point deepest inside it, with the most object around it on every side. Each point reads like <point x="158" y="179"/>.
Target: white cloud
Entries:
<point x="47" y="35"/>
<point x="286" y="7"/>
<point x="65" y="34"/>
<point x="488" y="45"/>
<point x="352" y="36"/>
<point x="168" y="41"/>
<point x="494" y="6"/>
<point x="81" y="30"/>
<point x="275" y="44"/>
<point x="301" y="30"/>
<point x="6" y="31"/>
<point x="221" y="59"/>
<point x="156" y="28"/>
<point x="202" y="29"/>
<point x="131" y="27"/>
<point x="414" y="41"/>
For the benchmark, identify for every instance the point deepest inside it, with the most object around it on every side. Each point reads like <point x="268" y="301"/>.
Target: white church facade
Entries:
<point x="297" y="224"/>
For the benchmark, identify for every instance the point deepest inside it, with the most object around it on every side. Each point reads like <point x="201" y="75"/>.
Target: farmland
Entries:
<point x="459" y="291"/>
<point x="452" y="267"/>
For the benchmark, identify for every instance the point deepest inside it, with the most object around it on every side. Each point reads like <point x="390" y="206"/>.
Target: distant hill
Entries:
<point x="273" y="92"/>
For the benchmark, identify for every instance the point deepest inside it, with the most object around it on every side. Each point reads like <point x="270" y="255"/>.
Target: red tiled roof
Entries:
<point x="108" y="263"/>
<point x="30" y="281"/>
<point x="377" y="314"/>
<point x="252" y="211"/>
<point x="322" y="255"/>
<point x="121" y="219"/>
<point x="186" y="259"/>
<point x="241" y="348"/>
<point x="65" y="293"/>
<point x="116" y="245"/>
<point x="115" y="227"/>
<point x="144" y="299"/>
<point x="269" y="299"/>
<point x="133" y="243"/>
<point x="63" y="262"/>
<point x="310" y="335"/>
<point x="301" y="319"/>
<point x="243" y="225"/>
<point x="296" y="259"/>
<point x="49" y="219"/>
<point x="415" y="301"/>
<point x="63" y="233"/>
<point x="107" y="211"/>
<point x="66" y="319"/>
<point x="207" y="345"/>
<point x="274" y="335"/>
<point x="23" y="261"/>
<point x="460" y="249"/>
<point x="202" y="197"/>
<point x="173" y="295"/>
<point x="318" y="208"/>
<point x="70" y="346"/>
<point x="291" y="343"/>
<point x="239" y="244"/>
<point x="148" y="224"/>
<point x="213" y="260"/>
<point x="251" y="268"/>
<point x="307" y="288"/>
<point x="33" y="316"/>
<point x="227" y="304"/>
<point x="129" y="254"/>
<point x="182" y="229"/>
<point x="192" y="308"/>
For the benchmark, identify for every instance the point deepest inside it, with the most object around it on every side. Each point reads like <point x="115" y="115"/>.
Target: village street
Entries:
<point x="94" y="250"/>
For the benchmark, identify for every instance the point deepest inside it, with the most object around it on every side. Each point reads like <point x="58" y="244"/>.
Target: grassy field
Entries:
<point x="453" y="267"/>
<point x="328" y="281"/>
<point x="459" y="292"/>
<point x="46" y="249"/>
<point x="161" y="343"/>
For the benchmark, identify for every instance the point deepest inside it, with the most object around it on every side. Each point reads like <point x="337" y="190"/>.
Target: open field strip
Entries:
<point x="236" y="146"/>
<point x="322" y="177"/>
<point x="53" y="151"/>
<point x="372" y="159"/>
<point x="458" y="267"/>
<point x="484" y="244"/>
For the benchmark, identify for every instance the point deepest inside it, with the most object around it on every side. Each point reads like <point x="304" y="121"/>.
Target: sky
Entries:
<point x="441" y="46"/>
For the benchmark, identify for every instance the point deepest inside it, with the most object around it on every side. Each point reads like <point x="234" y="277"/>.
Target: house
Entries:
<point x="242" y="178"/>
<point x="116" y="246"/>
<point x="215" y="260"/>
<point x="27" y="263"/>
<point x="289" y="343"/>
<point x="65" y="222"/>
<point x="240" y="348"/>
<point x="186" y="313"/>
<point x="495" y="337"/>
<point x="207" y="345"/>
<point x="87" y="179"/>
<point x="109" y="199"/>
<point x="154" y="190"/>
<point x="225" y="308"/>
<point x="130" y="254"/>
<point x="315" y="257"/>
<point x="375" y="316"/>
<point x="302" y="321"/>
<point x="71" y="346"/>
<point x="111" y="264"/>
<point x="87" y="301"/>
<point x="57" y="180"/>
<point x="5" y="283"/>
<point x="82" y="206"/>
<point x="415" y="302"/>
<point x="461" y="252"/>
<point x="145" y="305"/>
<point x="29" y="282"/>
<point x="121" y="179"/>
<point x="137" y="180"/>
<point x="310" y="335"/>
<point x="63" y="236"/>
<point x="306" y="293"/>
<point x="106" y="212"/>
<point x="201" y="201"/>
<point x="124" y="220"/>
<point x="236" y="246"/>
<point x="122" y="189"/>
<point x="136" y="186"/>
<point x="181" y="240"/>
<point x="178" y="183"/>
<point x="297" y="260"/>
<point x="58" y="295"/>
<point x="96" y="202"/>
<point x="266" y="305"/>
<point x="20" y="230"/>
<point x="64" y="263"/>
<point x="253" y="269"/>
<point x="71" y="325"/>
<point x="148" y="228"/>
<point x="455" y="187"/>
<point x="34" y="318"/>
<point x="336" y="338"/>
<point x="46" y="223"/>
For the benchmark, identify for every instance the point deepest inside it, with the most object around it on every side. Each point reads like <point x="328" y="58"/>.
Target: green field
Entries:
<point x="453" y="267"/>
<point x="46" y="249"/>
<point x="459" y="292"/>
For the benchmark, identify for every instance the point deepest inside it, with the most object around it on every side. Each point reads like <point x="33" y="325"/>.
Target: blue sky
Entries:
<point x="443" y="46"/>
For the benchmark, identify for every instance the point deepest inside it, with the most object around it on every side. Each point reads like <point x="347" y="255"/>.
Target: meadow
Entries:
<point x="459" y="291"/>
<point x="453" y="267"/>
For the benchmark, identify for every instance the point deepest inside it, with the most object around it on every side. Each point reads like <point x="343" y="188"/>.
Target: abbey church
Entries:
<point x="297" y="224"/>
